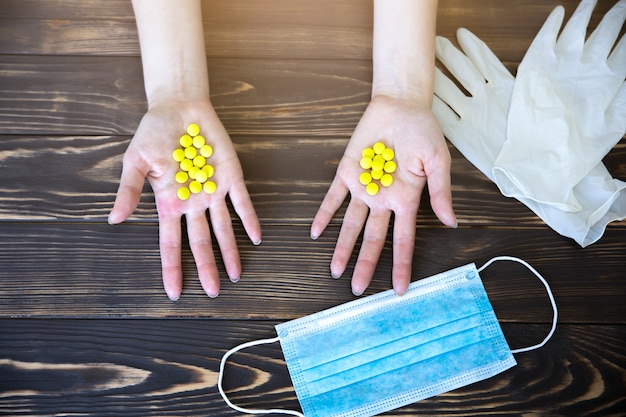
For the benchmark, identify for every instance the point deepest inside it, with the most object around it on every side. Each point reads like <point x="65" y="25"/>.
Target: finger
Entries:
<point x="440" y="190"/>
<point x="604" y="36"/>
<point x="459" y="65"/>
<point x="170" y="247"/>
<point x="245" y="210"/>
<point x="485" y="60"/>
<point x="225" y="235"/>
<point x="452" y="96"/>
<point x="351" y="227"/>
<point x="333" y="199"/>
<point x="572" y="38"/>
<point x="546" y="37"/>
<point x="403" y="246"/>
<point x="373" y="241"/>
<point x="617" y="59"/>
<point x="202" y="250"/>
<point x="129" y="191"/>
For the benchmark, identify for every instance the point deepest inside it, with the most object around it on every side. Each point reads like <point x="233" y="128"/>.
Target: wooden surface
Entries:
<point x="85" y="327"/>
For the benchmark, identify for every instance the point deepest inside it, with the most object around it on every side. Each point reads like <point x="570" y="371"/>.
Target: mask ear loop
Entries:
<point x="221" y="377"/>
<point x="548" y="289"/>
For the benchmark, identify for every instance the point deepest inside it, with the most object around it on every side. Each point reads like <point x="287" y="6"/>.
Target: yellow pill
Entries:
<point x="371" y="188"/>
<point x="195" y="187"/>
<point x="377" y="174"/>
<point x="193" y="129"/>
<point x="386" y="180"/>
<point x="181" y="177"/>
<point x="387" y="154"/>
<point x="210" y="187"/>
<point x="193" y="172"/>
<point x="378" y="147"/>
<point x="206" y="151"/>
<point x="378" y="163"/>
<point x="199" y="141"/>
<point x="190" y="152"/>
<point x="183" y="193"/>
<point x="185" y="164"/>
<point x="365" y="178"/>
<point x="185" y="141"/>
<point x="199" y="161"/>
<point x="178" y="155"/>
<point x="390" y="167"/>
<point x="209" y="170"/>
<point x="365" y="162"/>
<point x="201" y="176"/>
<point x="367" y="153"/>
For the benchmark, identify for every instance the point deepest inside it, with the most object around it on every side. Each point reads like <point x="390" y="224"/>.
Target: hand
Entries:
<point x="422" y="158"/>
<point x="150" y="155"/>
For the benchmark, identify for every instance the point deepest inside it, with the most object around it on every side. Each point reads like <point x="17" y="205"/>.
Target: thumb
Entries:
<point x="439" y="190"/>
<point x="129" y="191"/>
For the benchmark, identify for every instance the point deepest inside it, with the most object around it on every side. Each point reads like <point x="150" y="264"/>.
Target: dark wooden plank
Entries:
<point x="169" y="368"/>
<point x="75" y="179"/>
<point x="97" y="270"/>
<point x="324" y="29"/>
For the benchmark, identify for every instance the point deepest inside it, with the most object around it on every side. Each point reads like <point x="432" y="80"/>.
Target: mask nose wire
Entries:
<point x="548" y="290"/>
<point x="221" y="377"/>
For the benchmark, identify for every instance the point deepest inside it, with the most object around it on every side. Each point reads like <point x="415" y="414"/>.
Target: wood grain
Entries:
<point x="169" y="367"/>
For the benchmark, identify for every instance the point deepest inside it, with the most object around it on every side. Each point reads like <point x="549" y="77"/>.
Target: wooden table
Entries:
<point x="85" y="326"/>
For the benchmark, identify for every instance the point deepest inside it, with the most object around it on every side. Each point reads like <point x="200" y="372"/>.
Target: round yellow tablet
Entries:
<point x="367" y="153"/>
<point x="371" y="188"/>
<point x="190" y="152"/>
<point x="199" y="161"/>
<point x="185" y="141"/>
<point x="378" y="163"/>
<point x="199" y="141"/>
<point x="193" y="172"/>
<point x="365" y="162"/>
<point x="193" y="129"/>
<point x="377" y="174"/>
<point x="206" y="151"/>
<point x="378" y="147"/>
<point x="195" y="187"/>
<point x="178" y="155"/>
<point x="210" y="187"/>
<point x="387" y="154"/>
<point x="390" y="167"/>
<point x="365" y="178"/>
<point x="201" y="176"/>
<point x="209" y="170"/>
<point x="181" y="177"/>
<point x="183" y="193"/>
<point x="185" y="164"/>
<point x="386" y="180"/>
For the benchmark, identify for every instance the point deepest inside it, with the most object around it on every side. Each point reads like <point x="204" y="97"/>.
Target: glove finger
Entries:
<point x="459" y="65"/>
<point x="617" y="59"/>
<point x="615" y="116"/>
<point x="485" y="60"/>
<point x="449" y="93"/>
<point x="604" y="36"/>
<point x="546" y="37"/>
<point x="572" y="38"/>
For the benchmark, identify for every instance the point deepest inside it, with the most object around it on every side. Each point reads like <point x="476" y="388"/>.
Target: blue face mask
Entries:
<point x="386" y="351"/>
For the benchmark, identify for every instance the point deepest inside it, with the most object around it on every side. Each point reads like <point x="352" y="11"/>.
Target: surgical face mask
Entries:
<point x="386" y="351"/>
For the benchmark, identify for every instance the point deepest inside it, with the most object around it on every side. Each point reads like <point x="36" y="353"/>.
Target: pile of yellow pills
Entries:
<point x="194" y="171"/>
<point x="378" y="165"/>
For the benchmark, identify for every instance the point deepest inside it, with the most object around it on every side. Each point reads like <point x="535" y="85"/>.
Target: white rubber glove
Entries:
<point x="568" y="107"/>
<point x="477" y="126"/>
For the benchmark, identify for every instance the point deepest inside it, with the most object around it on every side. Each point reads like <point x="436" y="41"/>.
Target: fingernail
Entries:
<point x="173" y="298"/>
<point x="357" y="293"/>
<point x="335" y="276"/>
<point x="258" y="242"/>
<point x="213" y="295"/>
<point x="314" y="237"/>
<point x="235" y="279"/>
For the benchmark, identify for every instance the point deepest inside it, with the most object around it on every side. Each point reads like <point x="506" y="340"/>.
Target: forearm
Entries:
<point x="404" y="49"/>
<point x="172" y="49"/>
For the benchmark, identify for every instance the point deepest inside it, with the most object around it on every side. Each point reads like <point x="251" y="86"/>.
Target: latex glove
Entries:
<point x="568" y="107"/>
<point x="477" y="126"/>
